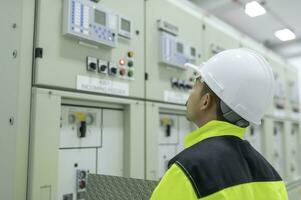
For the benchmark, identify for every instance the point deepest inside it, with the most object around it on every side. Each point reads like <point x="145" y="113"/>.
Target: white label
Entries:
<point x="280" y="114"/>
<point x="296" y="116"/>
<point x="175" y="97"/>
<point x="102" y="86"/>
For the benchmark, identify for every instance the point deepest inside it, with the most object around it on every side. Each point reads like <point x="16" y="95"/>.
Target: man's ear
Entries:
<point x="206" y="101"/>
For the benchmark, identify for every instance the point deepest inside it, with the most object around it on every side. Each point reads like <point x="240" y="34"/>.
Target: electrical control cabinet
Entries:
<point x="292" y="87"/>
<point x="254" y="135"/>
<point x="88" y="135"/>
<point x="82" y="45"/>
<point x="218" y="37"/>
<point x="75" y="134"/>
<point x="292" y="150"/>
<point x="278" y="160"/>
<point x="172" y="132"/>
<point x="74" y="166"/>
<point x="170" y="43"/>
<point x="166" y="128"/>
<point x="279" y="106"/>
<point x="85" y="20"/>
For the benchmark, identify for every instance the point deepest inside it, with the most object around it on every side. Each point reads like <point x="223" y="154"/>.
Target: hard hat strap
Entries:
<point x="232" y="117"/>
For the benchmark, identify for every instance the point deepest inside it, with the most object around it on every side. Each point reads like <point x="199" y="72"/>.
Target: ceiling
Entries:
<point x="280" y="14"/>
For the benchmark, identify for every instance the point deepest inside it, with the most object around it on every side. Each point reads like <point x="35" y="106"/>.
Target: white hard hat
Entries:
<point x="242" y="79"/>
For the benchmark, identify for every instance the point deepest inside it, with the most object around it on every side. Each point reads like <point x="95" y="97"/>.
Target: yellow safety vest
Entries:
<point x="218" y="165"/>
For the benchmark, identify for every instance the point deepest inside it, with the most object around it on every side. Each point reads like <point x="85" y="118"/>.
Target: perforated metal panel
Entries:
<point x="102" y="187"/>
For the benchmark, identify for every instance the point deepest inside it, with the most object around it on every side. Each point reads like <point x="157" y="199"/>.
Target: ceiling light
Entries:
<point x="285" y="34"/>
<point x="254" y="9"/>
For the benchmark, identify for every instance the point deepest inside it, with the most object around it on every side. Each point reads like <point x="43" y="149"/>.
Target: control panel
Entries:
<point x="280" y="92"/>
<point x="173" y="129"/>
<point x="92" y="46"/>
<point x="87" y="136"/>
<point x="292" y="88"/>
<point x="170" y="43"/>
<point x="86" y="20"/>
<point x="294" y="96"/>
<point x="293" y="164"/>
<point x="218" y="37"/>
<point x="81" y="183"/>
<point x="80" y="127"/>
<point x="254" y="135"/>
<point x="172" y="51"/>
<point x="278" y="147"/>
<point x="123" y="68"/>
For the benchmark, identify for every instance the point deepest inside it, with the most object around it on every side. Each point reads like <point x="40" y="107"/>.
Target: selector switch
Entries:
<point x="112" y="69"/>
<point x="103" y="66"/>
<point x="174" y="83"/>
<point x="188" y="85"/>
<point x="91" y="64"/>
<point x="181" y="84"/>
<point x="82" y="129"/>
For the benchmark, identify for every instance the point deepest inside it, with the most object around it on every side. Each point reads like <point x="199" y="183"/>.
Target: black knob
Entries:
<point x="181" y="84"/>
<point x="92" y="66"/>
<point x="175" y="84"/>
<point x="113" y="70"/>
<point x="188" y="86"/>
<point x="103" y="68"/>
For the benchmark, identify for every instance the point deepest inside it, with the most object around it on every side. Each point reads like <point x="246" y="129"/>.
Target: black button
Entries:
<point x="113" y="70"/>
<point x="92" y="66"/>
<point x="103" y="68"/>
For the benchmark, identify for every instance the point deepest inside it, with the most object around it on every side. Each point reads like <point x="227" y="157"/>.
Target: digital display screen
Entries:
<point x="100" y="17"/>
<point x="180" y="47"/>
<point x="125" y="25"/>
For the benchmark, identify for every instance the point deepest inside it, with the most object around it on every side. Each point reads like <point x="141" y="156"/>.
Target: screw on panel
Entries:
<point x="137" y="32"/>
<point x="11" y="121"/>
<point x="14" y="25"/>
<point x="15" y="53"/>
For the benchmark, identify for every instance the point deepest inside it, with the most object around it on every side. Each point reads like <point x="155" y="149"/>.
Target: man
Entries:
<point x="234" y="89"/>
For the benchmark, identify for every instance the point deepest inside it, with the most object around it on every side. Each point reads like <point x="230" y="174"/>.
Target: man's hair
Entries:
<point x="219" y="113"/>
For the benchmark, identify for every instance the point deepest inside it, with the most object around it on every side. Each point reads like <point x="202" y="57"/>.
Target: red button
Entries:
<point x="122" y="61"/>
<point x="82" y="184"/>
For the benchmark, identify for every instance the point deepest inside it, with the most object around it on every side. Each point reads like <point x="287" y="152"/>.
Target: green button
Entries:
<point x="130" y="73"/>
<point x="130" y="63"/>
